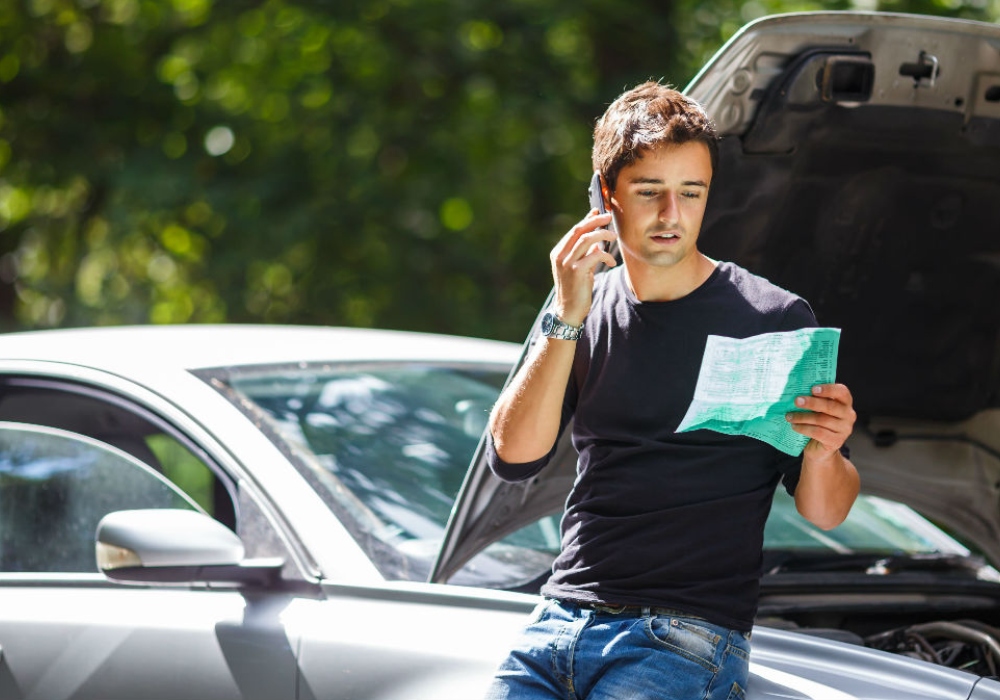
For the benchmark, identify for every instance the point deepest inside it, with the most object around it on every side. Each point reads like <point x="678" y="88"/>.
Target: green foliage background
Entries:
<point x="391" y="163"/>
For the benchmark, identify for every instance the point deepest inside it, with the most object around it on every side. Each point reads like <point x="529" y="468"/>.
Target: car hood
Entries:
<point x="860" y="168"/>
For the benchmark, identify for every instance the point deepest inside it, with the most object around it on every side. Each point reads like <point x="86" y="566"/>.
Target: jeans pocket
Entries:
<point x="686" y="638"/>
<point x="537" y="613"/>
<point x="734" y="668"/>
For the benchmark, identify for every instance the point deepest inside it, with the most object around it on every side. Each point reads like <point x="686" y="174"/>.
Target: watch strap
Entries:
<point x="559" y="329"/>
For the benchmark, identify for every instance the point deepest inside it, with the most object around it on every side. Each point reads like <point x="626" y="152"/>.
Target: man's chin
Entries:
<point x="663" y="259"/>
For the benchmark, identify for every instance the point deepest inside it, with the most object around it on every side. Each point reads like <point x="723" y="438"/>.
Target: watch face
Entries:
<point x="548" y="320"/>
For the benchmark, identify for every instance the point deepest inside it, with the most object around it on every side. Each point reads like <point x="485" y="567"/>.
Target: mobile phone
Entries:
<point x="596" y="193"/>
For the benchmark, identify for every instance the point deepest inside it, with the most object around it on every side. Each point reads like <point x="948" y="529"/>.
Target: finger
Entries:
<point x="596" y="255"/>
<point x="585" y="244"/>
<point x="569" y="252"/>
<point x="824" y="405"/>
<point x="831" y="432"/>
<point x="828" y="439"/>
<point x="572" y="271"/>
<point x="825" y="420"/>
<point x="592" y="221"/>
<point x="815" y="431"/>
<point x="837" y="392"/>
<point x="607" y="258"/>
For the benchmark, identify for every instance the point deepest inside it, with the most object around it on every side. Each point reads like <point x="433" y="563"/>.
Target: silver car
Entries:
<point x="236" y="512"/>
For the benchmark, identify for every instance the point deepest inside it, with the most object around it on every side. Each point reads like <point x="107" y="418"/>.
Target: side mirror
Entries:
<point x="176" y="546"/>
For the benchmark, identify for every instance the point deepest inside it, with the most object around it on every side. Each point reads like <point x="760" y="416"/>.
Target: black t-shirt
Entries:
<point x="657" y="517"/>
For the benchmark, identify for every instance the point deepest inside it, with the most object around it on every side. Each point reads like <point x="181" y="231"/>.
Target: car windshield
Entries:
<point x="874" y="525"/>
<point x="387" y="446"/>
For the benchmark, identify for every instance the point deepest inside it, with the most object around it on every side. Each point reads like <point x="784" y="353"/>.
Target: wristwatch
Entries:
<point x="554" y="327"/>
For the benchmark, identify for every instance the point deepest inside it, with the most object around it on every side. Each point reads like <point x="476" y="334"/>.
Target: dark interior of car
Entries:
<point x="885" y="219"/>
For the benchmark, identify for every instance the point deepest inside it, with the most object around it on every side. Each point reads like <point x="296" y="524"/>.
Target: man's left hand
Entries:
<point x="828" y="418"/>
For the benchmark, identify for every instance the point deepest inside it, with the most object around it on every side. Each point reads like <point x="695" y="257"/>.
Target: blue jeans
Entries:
<point x="571" y="653"/>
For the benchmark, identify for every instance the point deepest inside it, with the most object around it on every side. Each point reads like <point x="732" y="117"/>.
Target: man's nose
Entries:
<point x="669" y="210"/>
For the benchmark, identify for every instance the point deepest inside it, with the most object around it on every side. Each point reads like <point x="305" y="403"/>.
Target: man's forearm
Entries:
<point x="827" y="488"/>
<point x="525" y="420"/>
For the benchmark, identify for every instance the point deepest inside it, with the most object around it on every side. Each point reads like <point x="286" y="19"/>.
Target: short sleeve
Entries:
<point x="507" y="471"/>
<point x="798" y="315"/>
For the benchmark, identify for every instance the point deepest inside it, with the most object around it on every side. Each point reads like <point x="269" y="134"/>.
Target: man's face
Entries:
<point x="659" y="202"/>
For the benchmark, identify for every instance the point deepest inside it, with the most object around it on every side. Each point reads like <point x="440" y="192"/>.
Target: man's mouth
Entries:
<point x="665" y="236"/>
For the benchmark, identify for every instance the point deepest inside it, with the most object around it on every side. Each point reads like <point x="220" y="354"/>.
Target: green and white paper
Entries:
<point x="746" y="386"/>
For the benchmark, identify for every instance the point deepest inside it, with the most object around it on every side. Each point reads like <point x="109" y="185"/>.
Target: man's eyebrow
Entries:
<point x="639" y="180"/>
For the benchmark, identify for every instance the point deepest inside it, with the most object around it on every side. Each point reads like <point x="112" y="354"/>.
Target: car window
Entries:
<point x="387" y="446"/>
<point x="115" y="421"/>
<point x="55" y="486"/>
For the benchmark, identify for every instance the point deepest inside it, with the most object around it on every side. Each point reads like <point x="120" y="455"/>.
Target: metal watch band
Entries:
<point x="555" y="327"/>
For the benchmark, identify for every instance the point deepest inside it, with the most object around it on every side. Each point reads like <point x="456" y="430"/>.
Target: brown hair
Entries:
<point x="646" y="116"/>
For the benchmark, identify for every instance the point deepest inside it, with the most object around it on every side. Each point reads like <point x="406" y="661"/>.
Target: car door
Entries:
<point x="66" y="632"/>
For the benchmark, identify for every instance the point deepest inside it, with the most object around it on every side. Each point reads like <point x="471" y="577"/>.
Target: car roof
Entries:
<point x="191" y="347"/>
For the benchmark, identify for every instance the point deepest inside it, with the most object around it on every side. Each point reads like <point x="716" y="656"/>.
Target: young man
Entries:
<point x="655" y="590"/>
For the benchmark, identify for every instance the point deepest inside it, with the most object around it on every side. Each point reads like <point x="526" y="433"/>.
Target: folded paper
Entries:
<point x="746" y="386"/>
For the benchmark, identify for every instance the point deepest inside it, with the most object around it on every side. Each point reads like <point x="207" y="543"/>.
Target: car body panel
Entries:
<point x="984" y="691"/>
<point x="151" y="351"/>
<point x="823" y="669"/>
<point x="102" y="640"/>
<point x="365" y="643"/>
<point x="443" y="645"/>
<point x="758" y="52"/>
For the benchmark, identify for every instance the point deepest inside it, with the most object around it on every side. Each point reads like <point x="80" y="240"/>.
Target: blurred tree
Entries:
<point x="394" y="163"/>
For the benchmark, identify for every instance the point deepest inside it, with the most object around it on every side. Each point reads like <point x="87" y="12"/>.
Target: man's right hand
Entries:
<point x="574" y="260"/>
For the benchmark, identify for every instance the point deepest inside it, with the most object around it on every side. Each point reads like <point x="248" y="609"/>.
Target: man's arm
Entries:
<point x="525" y="420"/>
<point x="829" y="482"/>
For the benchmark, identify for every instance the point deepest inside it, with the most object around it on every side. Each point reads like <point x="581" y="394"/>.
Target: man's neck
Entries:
<point x="650" y="283"/>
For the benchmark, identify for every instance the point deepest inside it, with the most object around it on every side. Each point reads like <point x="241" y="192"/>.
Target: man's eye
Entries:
<point x="647" y="193"/>
<point x="692" y="195"/>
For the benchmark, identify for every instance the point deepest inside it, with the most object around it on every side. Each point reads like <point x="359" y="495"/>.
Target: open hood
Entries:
<point x="859" y="168"/>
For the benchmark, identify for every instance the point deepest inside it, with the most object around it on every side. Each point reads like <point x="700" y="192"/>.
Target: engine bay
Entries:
<point x="956" y="625"/>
